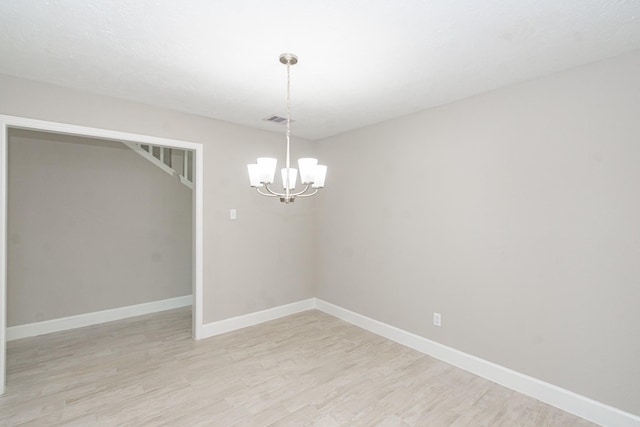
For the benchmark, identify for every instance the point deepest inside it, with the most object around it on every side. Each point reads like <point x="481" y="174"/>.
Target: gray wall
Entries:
<point x="262" y="260"/>
<point x="515" y="214"/>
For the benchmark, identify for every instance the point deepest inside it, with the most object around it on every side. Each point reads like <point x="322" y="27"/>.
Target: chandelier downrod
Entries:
<point x="288" y="58"/>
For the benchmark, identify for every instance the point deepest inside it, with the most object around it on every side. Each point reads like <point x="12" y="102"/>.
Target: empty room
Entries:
<point x="245" y="213"/>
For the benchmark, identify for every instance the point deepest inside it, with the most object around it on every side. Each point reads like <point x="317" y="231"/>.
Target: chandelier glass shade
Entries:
<point x="263" y="172"/>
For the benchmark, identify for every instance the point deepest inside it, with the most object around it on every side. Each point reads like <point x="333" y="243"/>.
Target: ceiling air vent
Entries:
<point x="277" y="119"/>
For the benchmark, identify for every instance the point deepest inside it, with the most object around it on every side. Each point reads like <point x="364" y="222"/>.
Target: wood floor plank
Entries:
<point x="305" y="369"/>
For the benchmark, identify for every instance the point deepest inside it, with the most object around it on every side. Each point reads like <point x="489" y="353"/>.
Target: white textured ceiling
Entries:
<point x="361" y="61"/>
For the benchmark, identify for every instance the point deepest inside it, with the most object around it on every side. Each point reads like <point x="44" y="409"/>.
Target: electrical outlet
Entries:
<point x="233" y="215"/>
<point x="437" y="319"/>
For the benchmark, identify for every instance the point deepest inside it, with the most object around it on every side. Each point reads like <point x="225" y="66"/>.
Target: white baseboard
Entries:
<point x="566" y="400"/>
<point x="239" y="322"/>
<point x="72" y="322"/>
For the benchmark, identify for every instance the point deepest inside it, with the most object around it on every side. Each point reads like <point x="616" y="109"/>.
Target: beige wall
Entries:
<point x="515" y="214"/>
<point x="92" y="226"/>
<point x="261" y="260"/>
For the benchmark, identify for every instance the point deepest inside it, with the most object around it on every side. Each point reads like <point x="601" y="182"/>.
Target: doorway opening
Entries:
<point x="10" y="123"/>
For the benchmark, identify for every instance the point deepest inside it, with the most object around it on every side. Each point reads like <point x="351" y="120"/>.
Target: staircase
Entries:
<point x="171" y="160"/>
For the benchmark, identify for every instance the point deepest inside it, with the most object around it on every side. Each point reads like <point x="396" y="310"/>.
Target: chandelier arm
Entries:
<point x="308" y="194"/>
<point x="271" y="193"/>
<point x="265" y="194"/>
<point x="300" y="192"/>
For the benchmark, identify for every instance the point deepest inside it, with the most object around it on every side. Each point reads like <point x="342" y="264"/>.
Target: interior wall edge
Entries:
<point x="4" y="131"/>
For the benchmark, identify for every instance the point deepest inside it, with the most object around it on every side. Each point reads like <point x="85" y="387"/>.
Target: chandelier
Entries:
<point x="262" y="173"/>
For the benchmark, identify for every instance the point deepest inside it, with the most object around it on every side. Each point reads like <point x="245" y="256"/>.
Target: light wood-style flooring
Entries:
<point x="305" y="369"/>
